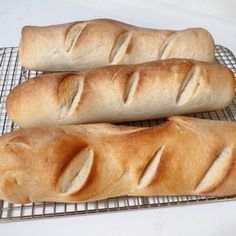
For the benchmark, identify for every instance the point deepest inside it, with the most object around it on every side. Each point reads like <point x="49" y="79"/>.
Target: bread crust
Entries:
<point x="121" y="93"/>
<point x="91" y="162"/>
<point x="99" y="42"/>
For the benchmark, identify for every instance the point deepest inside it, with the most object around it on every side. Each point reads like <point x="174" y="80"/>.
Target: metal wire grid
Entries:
<point x="12" y="73"/>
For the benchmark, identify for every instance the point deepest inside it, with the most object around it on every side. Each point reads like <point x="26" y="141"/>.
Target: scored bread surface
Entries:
<point x="92" y="162"/>
<point x="88" y="44"/>
<point x="121" y="93"/>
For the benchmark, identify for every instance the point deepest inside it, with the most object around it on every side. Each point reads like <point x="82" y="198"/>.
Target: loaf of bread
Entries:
<point x="91" y="162"/>
<point x="88" y="44"/>
<point x="121" y="93"/>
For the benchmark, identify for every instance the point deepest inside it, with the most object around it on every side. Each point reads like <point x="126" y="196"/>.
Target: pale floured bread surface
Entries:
<point x="88" y="44"/>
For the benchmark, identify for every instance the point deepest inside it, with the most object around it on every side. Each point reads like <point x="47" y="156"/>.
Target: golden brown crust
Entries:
<point x="91" y="162"/>
<point x="121" y="93"/>
<point x="99" y="42"/>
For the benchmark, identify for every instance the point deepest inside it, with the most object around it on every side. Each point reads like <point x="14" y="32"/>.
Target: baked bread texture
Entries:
<point x="121" y="93"/>
<point x="88" y="44"/>
<point x="90" y="162"/>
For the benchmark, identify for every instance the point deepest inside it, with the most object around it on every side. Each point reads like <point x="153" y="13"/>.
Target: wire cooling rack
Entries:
<point x="12" y="73"/>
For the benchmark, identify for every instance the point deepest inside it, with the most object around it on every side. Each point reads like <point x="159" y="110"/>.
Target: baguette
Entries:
<point x="121" y="93"/>
<point x="88" y="44"/>
<point x="91" y="162"/>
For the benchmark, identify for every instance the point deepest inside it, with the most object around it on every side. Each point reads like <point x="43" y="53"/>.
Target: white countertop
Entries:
<point x="208" y="219"/>
<point x="215" y="219"/>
